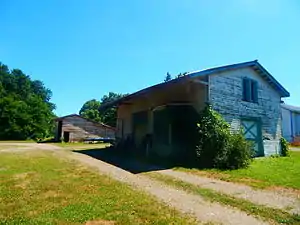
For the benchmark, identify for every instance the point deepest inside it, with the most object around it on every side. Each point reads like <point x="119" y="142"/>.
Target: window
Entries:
<point x="250" y="90"/>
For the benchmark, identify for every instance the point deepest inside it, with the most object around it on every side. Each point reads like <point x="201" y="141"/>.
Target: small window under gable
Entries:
<point x="250" y="90"/>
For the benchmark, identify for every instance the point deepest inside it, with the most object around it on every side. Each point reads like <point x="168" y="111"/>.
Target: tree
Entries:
<point x="90" y="110"/>
<point x="25" y="109"/>
<point x="181" y="75"/>
<point x="109" y="116"/>
<point x="168" y="77"/>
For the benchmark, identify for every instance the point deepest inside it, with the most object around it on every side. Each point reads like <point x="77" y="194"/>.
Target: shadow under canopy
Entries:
<point x="124" y="161"/>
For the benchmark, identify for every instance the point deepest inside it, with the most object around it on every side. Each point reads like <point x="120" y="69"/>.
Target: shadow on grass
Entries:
<point x="128" y="162"/>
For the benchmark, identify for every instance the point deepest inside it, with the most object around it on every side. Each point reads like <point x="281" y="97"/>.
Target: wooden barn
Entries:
<point x="74" y="128"/>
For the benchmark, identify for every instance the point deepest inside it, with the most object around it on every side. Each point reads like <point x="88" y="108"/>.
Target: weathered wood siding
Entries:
<point x="80" y="129"/>
<point x="226" y="93"/>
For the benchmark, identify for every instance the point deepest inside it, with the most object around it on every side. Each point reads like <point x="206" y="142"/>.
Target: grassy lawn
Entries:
<point x="39" y="188"/>
<point x="266" y="213"/>
<point x="263" y="172"/>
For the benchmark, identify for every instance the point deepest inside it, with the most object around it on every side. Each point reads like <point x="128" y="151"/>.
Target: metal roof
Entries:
<point x="255" y="65"/>
<point x="76" y="115"/>
<point x="291" y="108"/>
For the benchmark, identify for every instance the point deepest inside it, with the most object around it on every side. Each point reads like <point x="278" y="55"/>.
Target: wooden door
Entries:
<point x="59" y="130"/>
<point x="66" y="136"/>
<point x="252" y="131"/>
<point x="139" y="127"/>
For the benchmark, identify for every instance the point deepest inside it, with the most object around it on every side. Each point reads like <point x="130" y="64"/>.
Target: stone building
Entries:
<point x="74" y="128"/>
<point x="245" y="94"/>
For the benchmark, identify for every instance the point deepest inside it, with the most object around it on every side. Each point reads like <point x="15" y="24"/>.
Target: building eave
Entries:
<point x="291" y="108"/>
<point x="255" y="65"/>
<point x="76" y="115"/>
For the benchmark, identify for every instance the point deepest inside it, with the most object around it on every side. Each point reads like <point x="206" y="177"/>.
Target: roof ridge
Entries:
<point x="92" y="121"/>
<point x="254" y="64"/>
<point x="221" y="66"/>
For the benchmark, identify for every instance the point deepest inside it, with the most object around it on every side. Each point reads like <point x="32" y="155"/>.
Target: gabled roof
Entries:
<point x="76" y="115"/>
<point x="252" y="64"/>
<point x="255" y="65"/>
<point x="291" y="108"/>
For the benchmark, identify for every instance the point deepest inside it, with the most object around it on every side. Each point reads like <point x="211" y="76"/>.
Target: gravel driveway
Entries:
<point x="184" y="202"/>
<point x="275" y="199"/>
<point x="202" y="210"/>
<point x="23" y="146"/>
<point x="297" y="149"/>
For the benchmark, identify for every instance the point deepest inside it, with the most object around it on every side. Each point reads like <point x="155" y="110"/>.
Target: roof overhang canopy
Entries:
<point x="255" y="65"/>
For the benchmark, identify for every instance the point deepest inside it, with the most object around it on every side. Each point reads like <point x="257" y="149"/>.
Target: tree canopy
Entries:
<point x="25" y="107"/>
<point x="89" y="110"/>
<point x="181" y="75"/>
<point x="168" y="77"/>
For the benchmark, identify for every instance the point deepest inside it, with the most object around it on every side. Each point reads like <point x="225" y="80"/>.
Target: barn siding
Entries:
<point x="81" y="128"/>
<point x="226" y="93"/>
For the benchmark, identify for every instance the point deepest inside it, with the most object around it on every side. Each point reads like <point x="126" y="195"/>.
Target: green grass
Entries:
<point x="262" y="173"/>
<point x="266" y="213"/>
<point x="39" y="188"/>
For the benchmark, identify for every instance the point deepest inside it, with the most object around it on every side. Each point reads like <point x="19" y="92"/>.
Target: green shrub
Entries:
<point x="213" y="137"/>
<point x="284" y="147"/>
<point x="239" y="153"/>
<point x="217" y="147"/>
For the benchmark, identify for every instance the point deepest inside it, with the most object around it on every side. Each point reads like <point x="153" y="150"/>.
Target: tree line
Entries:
<point x="25" y="107"/>
<point x="26" y="111"/>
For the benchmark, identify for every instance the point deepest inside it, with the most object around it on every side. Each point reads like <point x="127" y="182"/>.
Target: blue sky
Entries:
<point x="83" y="49"/>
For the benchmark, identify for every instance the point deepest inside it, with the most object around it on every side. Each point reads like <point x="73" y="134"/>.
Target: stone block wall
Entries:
<point x="226" y="94"/>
